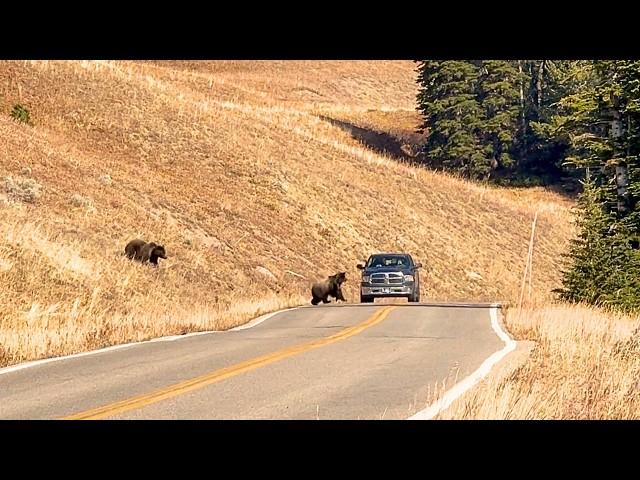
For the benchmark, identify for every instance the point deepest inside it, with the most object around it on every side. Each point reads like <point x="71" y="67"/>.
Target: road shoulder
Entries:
<point x="499" y="374"/>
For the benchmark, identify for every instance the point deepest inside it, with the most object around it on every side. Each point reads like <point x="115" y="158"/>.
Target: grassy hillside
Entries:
<point x="258" y="177"/>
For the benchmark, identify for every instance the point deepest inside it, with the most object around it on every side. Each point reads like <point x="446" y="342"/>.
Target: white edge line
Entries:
<point x="461" y="387"/>
<point x="171" y="338"/>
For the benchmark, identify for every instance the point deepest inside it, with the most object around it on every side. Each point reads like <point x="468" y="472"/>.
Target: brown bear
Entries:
<point x="332" y="286"/>
<point x="145" y="252"/>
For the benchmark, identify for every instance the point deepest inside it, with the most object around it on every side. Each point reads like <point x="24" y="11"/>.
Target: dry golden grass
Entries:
<point x="585" y="365"/>
<point x="232" y="166"/>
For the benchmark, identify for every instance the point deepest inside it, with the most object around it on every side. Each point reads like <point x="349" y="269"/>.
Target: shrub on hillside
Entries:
<point x="22" y="189"/>
<point x="21" y="114"/>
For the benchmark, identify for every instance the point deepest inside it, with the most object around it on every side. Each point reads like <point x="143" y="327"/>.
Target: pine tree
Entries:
<point x="453" y="116"/>
<point x="535" y="118"/>
<point x="543" y="145"/>
<point x="588" y="255"/>
<point x="602" y="126"/>
<point x="488" y="115"/>
<point x="499" y="93"/>
<point x="604" y="270"/>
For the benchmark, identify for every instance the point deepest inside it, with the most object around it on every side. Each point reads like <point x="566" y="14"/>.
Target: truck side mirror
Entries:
<point x="418" y="265"/>
<point x="360" y="266"/>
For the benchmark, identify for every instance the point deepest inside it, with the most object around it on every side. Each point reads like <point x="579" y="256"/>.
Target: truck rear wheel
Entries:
<point x="366" y="299"/>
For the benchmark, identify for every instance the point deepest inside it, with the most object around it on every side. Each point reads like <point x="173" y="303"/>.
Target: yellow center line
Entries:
<point x="224" y="373"/>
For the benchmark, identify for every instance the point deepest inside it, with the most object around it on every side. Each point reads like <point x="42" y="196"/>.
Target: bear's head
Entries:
<point x="159" y="251"/>
<point x="339" y="277"/>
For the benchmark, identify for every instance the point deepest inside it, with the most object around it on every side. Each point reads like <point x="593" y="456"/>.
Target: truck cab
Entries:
<point x="390" y="275"/>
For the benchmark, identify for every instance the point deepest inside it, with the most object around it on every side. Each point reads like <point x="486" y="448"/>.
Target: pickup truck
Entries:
<point x="390" y="275"/>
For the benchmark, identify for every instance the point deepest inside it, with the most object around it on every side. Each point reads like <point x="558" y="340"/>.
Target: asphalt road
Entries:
<point x="325" y="362"/>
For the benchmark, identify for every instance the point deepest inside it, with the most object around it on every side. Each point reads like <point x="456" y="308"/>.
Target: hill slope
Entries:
<point x="255" y="177"/>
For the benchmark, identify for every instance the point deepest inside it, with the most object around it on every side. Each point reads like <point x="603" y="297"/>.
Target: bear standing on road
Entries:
<point x="145" y="252"/>
<point x="332" y="286"/>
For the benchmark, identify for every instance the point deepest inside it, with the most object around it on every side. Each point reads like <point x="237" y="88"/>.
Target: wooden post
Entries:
<point x="531" y="261"/>
<point x="527" y="267"/>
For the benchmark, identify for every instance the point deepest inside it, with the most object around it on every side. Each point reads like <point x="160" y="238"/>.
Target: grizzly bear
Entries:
<point x="332" y="286"/>
<point x="145" y="252"/>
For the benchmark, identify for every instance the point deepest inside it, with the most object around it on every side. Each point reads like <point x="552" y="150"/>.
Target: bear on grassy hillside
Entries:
<point x="145" y="252"/>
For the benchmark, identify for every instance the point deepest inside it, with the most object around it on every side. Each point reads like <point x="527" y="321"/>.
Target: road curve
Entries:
<point x="326" y="362"/>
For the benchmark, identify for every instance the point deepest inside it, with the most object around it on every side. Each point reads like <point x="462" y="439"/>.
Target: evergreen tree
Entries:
<point x="589" y="251"/>
<point x="453" y="116"/>
<point x="539" y="118"/>
<point x="544" y="147"/>
<point x="604" y="269"/>
<point x="603" y="134"/>
<point x="499" y="93"/>
<point x="488" y="115"/>
<point x="602" y="127"/>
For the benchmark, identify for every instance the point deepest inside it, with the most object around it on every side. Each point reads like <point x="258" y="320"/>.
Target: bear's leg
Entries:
<point x="326" y="300"/>
<point x="315" y="300"/>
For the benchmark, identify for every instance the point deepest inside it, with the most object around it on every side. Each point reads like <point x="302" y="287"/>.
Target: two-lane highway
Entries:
<point x="328" y="362"/>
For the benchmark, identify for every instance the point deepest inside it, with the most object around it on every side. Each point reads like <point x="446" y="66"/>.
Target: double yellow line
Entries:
<point x="227" y="372"/>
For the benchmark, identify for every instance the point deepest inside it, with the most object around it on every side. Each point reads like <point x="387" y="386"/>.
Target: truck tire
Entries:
<point x="366" y="299"/>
